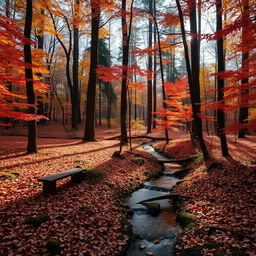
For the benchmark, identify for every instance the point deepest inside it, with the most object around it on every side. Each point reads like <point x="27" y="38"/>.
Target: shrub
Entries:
<point x="138" y="161"/>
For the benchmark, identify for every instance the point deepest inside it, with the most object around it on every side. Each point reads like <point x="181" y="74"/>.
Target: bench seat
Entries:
<point x="49" y="182"/>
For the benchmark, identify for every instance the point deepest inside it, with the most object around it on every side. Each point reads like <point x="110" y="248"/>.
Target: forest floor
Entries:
<point x="86" y="218"/>
<point x="223" y="195"/>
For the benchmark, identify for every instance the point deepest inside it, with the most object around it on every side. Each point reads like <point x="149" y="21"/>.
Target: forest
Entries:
<point x="149" y="106"/>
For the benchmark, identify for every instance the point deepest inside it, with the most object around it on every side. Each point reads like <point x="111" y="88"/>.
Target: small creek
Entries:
<point x="147" y="228"/>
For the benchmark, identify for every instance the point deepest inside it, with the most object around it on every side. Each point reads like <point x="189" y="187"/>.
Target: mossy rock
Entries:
<point x="153" y="208"/>
<point x="118" y="154"/>
<point x="53" y="246"/>
<point x="138" y="161"/>
<point x="155" y="175"/>
<point x="185" y="218"/>
<point x="92" y="174"/>
<point x="37" y="221"/>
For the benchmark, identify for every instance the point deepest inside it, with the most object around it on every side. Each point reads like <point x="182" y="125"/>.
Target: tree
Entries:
<point x="31" y="99"/>
<point x="89" y="131"/>
<point x="193" y="70"/>
<point x="149" y="99"/>
<point x="220" y="82"/>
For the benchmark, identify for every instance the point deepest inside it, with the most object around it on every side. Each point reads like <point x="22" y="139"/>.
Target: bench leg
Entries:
<point x="76" y="178"/>
<point x="49" y="187"/>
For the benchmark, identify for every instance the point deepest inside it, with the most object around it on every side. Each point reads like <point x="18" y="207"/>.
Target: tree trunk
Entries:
<point x="75" y="105"/>
<point x="243" y="112"/>
<point x="89" y="132"/>
<point x="100" y="101"/>
<point x="221" y="82"/>
<point x="155" y="69"/>
<point x="162" y="76"/>
<point x="31" y="99"/>
<point x="193" y="73"/>
<point x="123" y="110"/>
<point x="149" y="110"/>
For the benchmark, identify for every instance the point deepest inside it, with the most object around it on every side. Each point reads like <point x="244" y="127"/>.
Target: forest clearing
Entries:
<point x="127" y="127"/>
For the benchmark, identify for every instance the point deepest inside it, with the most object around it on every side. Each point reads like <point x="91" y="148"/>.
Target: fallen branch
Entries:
<point x="176" y="160"/>
<point x="176" y="196"/>
<point x="214" y="228"/>
<point x="136" y="154"/>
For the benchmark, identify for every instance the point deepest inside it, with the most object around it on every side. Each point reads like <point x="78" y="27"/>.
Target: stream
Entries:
<point x="147" y="228"/>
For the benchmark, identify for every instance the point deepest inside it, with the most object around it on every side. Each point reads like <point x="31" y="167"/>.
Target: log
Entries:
<point x="164" y="197"/>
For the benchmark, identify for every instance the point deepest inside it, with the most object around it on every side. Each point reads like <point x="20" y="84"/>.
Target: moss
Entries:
<point x="153" y="208"/>
<point x="37" y="221"/>
<point x="8" y="176"/>
<point x="53" y="246"/>
<point x="84" y="207"/>
<point x="199" y="157"/>
<point x="60" y="218"/>
<point x="185" y="218"/>
<point x="81" y="161"/>
<point x="118" y="154"/>
<point x="93" y="174"/>
<point x="155" y="175"/>
<point x="138" y="161"/>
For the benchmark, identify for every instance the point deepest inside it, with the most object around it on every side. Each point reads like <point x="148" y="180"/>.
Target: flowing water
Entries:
<point x="147" y="228"/>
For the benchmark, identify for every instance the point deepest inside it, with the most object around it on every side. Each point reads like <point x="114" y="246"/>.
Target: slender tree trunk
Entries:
<point x="162" y="76"/>
<point x="149" y="109"/>
<point x="243" y="112"/>
<point x="155" y="70"/>
<point x="100" y="101"/>
<point x="31" y="99"/>
<point x="125" y="51"/>
<point x="193" y="73"/>
<point x="89" y="132"/>
<point x="221" y="82"/>
<point x="75" y="105"/>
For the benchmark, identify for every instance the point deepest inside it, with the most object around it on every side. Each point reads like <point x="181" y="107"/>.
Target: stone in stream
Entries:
<point x="149" y="253"/>
<point x="153" y="208"/>
<point x="142" y="245"/>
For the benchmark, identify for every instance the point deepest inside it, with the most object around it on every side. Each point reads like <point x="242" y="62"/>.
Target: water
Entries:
<point x="146" y="228"/>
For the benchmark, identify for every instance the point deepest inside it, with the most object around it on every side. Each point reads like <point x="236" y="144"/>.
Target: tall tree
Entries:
<point x="125" y="59"/>
<point x="149" y="98"/>
<point x="220" y="81"/>
<point x="75" y="106"/>
<point x="31" y="99"/>
<point x="89" y="131"/>
<point x="243" y="112"/>
<point x="193" y="70"/>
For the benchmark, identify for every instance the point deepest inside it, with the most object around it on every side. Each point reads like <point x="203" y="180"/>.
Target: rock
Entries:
<point x="157" y="241"/>
<point x="149" y="253"/>
<point x="142" y="245"/>
<point x="153" y="208"/>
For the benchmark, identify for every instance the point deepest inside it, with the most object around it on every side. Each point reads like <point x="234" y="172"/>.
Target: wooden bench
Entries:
<point x="49" y="182"/>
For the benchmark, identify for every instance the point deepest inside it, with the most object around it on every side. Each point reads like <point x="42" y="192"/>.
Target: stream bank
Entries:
<point x="154" y="235"/>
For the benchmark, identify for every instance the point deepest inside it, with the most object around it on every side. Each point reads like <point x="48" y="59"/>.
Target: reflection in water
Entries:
<point x="148" y="228"/>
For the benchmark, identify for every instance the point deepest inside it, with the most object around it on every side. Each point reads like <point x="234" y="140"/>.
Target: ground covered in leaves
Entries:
<point x="223" y="196"/>
<point x="84" y="218"/>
